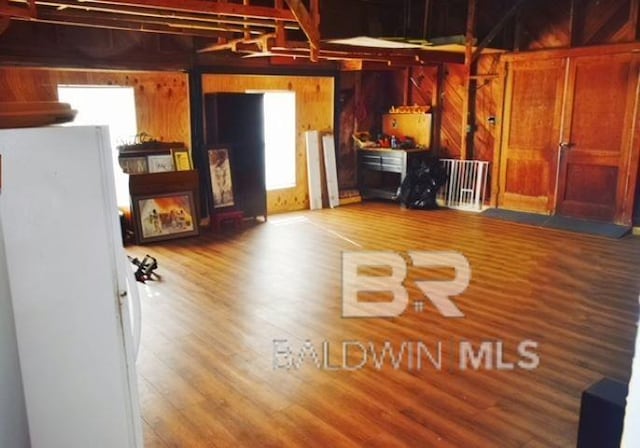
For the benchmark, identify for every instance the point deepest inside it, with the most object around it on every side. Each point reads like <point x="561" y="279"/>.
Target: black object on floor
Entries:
<point x="560" y="222"/>
<point x="146" y="268"/>
<point x="602" y="414"/>
<point x="421" y="184"/>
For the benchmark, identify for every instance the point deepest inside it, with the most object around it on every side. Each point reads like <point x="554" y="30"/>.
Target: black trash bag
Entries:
<point x="421" y="184"/>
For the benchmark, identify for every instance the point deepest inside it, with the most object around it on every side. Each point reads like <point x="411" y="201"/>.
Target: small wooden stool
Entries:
<point x="234" y="216"/>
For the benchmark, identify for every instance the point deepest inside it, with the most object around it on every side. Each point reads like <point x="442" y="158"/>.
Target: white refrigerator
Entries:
<point x="71" y="288"/>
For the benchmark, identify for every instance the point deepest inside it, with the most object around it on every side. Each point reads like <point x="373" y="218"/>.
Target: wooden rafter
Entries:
<point x="209" y="7"/>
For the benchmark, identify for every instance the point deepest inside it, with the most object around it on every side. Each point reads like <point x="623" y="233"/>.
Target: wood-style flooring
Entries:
<point x="206" y="365"/>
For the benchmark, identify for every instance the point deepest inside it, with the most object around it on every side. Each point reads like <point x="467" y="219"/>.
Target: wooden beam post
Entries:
<point x="575" y="23"/>
<point x="466" y="131"/>
<point x="247" y="33"/>
<point x="309" y="24"/>
<point x="281" y="38"/>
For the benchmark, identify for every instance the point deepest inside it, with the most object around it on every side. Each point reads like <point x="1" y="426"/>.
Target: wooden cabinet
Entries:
<point x="235" y="121"/>
<point x="381" y="171"/>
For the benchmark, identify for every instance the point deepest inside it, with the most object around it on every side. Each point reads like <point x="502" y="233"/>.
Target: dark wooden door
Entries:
<point x="596" y="139"/>
<point x="235" y="121"/>
<point x="533" y="106"/>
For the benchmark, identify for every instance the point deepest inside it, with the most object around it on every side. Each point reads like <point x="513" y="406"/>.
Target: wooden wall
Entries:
<point x="314" y="111"/>
<point x="162" y="98"/>
<point x="487" y="94"/>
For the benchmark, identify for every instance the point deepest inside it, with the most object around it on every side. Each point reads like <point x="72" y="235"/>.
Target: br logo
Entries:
<point x="355" y="281"/>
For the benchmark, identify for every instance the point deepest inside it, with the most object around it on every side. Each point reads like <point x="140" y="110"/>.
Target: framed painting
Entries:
<point x="160" y="163"/>
<point x="220" y="171"/>
<point x="181" y="159"/>
<point x="164" y="216"/>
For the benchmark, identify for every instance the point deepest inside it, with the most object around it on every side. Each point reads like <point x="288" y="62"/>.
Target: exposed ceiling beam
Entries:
<point x="122" y="25"/>
<point x="209" y="7"/>
<point x="151" y="12"/>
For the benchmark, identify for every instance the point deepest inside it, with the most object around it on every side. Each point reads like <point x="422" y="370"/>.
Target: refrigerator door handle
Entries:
<point x="136" y="309"/>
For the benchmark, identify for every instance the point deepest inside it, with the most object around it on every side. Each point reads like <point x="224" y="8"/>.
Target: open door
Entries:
<point x="235" y="121"/>
<point x="533" y="109"/>
<point x="597" y="138"/>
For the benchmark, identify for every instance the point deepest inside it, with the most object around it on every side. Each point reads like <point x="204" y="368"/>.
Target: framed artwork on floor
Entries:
<point x="164" y="216"/>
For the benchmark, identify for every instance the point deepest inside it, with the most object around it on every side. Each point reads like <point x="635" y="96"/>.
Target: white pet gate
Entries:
<point x="467" y="184"/>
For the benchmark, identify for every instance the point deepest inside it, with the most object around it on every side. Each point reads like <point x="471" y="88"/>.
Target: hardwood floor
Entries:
<point x="206" y="366"/>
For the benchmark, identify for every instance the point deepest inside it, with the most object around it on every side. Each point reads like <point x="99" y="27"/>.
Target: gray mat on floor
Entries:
<point x="559" y="222"/>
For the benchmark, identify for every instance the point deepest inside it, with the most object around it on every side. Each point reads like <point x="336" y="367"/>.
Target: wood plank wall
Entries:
<point x="161" y="98"/>
<point x="544" y="24"/>
<point x="314" y="110"/>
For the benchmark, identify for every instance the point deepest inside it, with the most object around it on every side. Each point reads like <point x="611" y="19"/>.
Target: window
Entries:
<point x="106" y="105"/>
<point x="280" y="139"/>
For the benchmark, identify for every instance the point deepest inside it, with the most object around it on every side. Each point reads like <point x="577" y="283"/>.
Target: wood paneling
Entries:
<point x="205" y="368"/>
<point x="347" y="155"/>
<point x="161" y="98"/>
<point x="364" y="97"/>
<point x="314" y="111"/>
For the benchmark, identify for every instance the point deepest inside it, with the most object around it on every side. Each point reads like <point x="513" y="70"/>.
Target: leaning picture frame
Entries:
<point x="133" y="165"/>
<point x="220" y="176"/>
<point x="164" y="216"/>
<point x="181" y="159"/>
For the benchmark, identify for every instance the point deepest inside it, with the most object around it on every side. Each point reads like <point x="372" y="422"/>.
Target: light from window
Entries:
<point x="111" y="106"/>
<point x="280" y="139"/>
